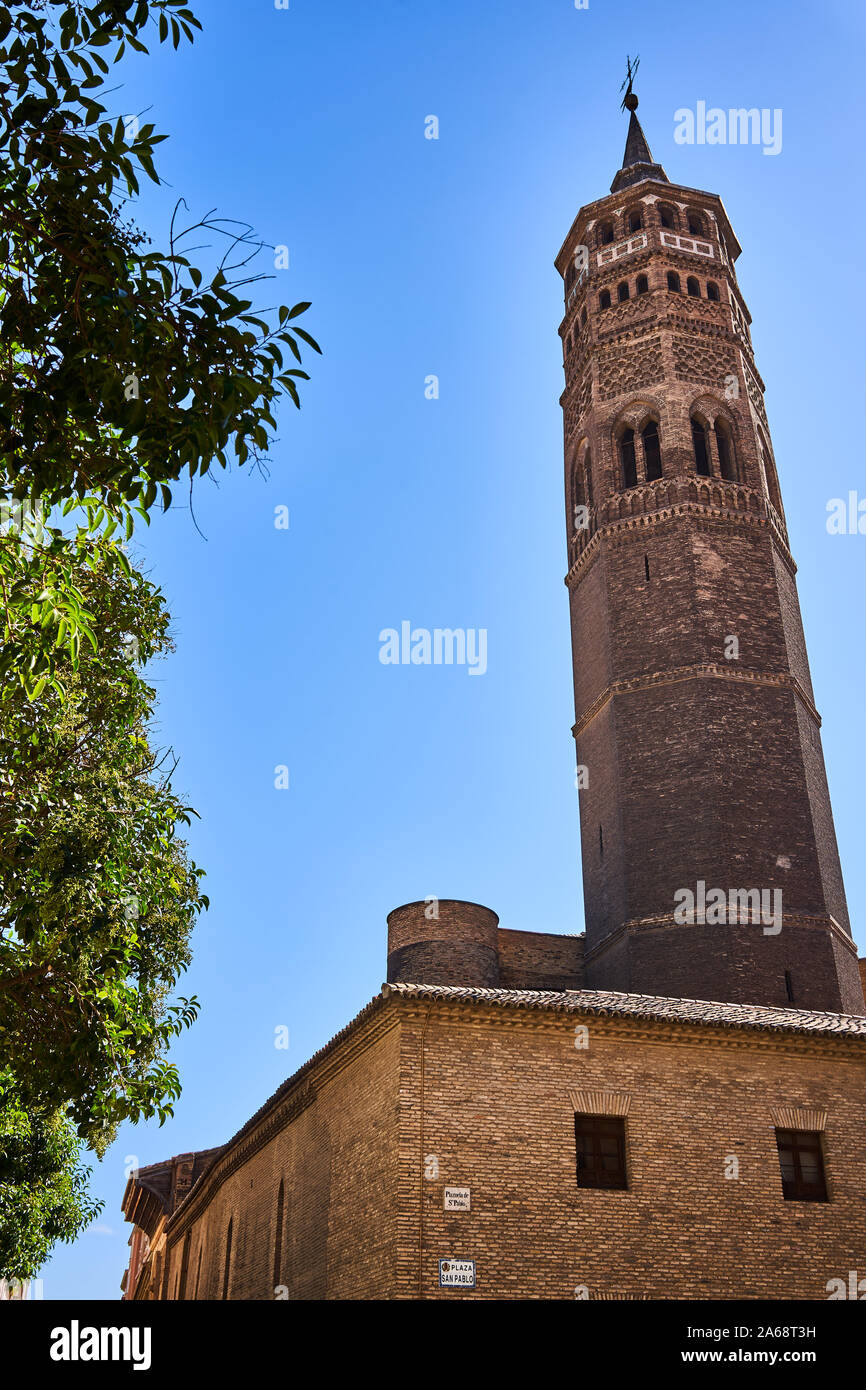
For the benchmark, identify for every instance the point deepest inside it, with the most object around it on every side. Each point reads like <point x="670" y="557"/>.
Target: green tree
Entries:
<point x="123" y="368"/>
<point x="43" y="1185"/>
<point x="97" y="895"/>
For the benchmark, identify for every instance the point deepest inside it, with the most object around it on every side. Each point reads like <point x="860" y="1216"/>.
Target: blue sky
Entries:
<point x="435" y="257"/>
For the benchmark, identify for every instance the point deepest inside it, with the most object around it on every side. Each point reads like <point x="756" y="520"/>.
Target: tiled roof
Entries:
<point x="609" y="1003"/>
<point x="597" y="1002"/>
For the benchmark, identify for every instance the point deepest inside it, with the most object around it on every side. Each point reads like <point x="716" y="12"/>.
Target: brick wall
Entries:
<point x="332" y="1144"/>
<point x="489" y="1093"/>
<point x="499" y="1117"/>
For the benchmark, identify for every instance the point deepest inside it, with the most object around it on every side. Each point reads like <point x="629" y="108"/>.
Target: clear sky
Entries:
<point x="430" y="257"/>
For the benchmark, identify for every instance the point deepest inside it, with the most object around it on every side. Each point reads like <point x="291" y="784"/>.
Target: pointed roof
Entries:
<point x="637" y="161"/>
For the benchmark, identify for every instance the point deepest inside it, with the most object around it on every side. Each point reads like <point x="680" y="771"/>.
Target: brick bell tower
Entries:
<point x="698" y="741"/>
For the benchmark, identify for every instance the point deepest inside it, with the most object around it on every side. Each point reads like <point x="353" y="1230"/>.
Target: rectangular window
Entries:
<point x="600" y="1146"/>
<point x="802" y="1163"/>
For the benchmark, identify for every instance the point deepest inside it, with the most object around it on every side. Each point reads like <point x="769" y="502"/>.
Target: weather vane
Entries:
<point x="630" y="100"/>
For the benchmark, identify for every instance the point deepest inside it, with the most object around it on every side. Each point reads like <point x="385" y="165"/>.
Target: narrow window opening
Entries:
<point x="604" y="299"/>
<point x="627" y="458"/>
<point x="622" y="291"/>
<point x="673" y="281"/>
<point x="646" y="566"/>
<point x="702" y="453"/>
<point x="606" y="233"/>
<point x="587" y="469"/>
<point x="601" y="841"/>
<point x="228" y="1264"/>
<point x="712" y="290"/>
<point x="666" y="217"/>
<point x="652" y="451"/>
<point x="726" y="455"/>
<point x="583" y="317"/>
<point x="696" y="226"/>
<point x="789" y="987"/>
<point x="635" y="221"/>
<point x="278" y="1238"/>
<point x="693" y="287"/>
<point x="642" y="284"/>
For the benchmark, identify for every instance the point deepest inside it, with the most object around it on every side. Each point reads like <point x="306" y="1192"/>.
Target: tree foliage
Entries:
<point x="97" y="897"/>
<point x="124" y="370"/>
<point x="43" y="1185"/>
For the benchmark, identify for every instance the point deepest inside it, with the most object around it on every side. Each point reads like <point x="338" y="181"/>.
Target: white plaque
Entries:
<point x="457" y="1199"/>
<point x="457" y="1274"/>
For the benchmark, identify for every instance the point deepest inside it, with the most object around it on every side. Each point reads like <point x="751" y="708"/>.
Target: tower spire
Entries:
<point x="637" y="160"/>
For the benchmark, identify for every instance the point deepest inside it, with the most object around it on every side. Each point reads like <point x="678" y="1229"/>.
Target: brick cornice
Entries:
<point x="283" y="1109"/>
<point x="703" y="512"/>
<point x="686" y="1032"/>
<point x="811" y="921"/>
<point x="698" y="671"/>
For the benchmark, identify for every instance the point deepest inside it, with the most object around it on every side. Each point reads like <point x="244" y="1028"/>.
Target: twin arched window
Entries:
<point x="652" y="456"/>
<point x="724" y="450"/>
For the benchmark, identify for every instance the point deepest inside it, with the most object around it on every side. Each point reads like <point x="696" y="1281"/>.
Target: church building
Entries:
<point x="670" y="1105"/>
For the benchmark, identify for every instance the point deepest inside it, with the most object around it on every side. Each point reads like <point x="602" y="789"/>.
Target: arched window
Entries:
<point x="228" y="1264"/>
<point x="652" y="451"/>
<point x="701" y="448"/>
<point x="587" y="473"/>
<point x="605" y="233"/>
<point x="583" y="317"/>
<point x="635" y="220"/>
<point x="627" y="459"/>
<point x="725" y="446"/>
<point x="642" y="284"/>
<point x="666" y="215"/>
<point x="696" y="224"/>
<point x="693" y="287"/>
<point x="712" y="290"/>
<point x="673" y="281"/>
<point x="622" y="291"/>
<point x="604" y="299"/>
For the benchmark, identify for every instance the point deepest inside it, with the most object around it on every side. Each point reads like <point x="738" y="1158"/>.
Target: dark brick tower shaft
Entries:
<point x="695" y="720"/>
